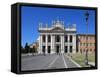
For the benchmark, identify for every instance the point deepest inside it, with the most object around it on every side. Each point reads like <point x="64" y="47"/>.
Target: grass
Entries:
<point x="80" y="58"/>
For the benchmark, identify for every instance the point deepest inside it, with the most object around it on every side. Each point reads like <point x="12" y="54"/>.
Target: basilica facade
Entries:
<point x="57" y="38"/>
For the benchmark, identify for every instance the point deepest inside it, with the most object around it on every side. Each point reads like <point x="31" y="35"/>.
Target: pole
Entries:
<point x="86" y="60"/>
<point x="86" y="56"/>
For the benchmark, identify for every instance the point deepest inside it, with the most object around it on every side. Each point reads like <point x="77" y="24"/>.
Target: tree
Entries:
<point x="31" y="50"/>
<point x="26" y="48"/>
<point x="22" y="50"/>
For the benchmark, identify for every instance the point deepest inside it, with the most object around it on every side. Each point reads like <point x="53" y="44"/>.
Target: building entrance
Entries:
<point x="57" y="49"/>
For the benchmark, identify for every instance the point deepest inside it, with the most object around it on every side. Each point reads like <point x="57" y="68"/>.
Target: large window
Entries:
<point x="49" y="38"/>
<point x="70" y="38"/>
<point x="71" y="49"/>
<point x="66" y="38"/>
<point x="49" y="49"/>
<point x="43" y="49"/>
<point x="66" y="49"/>
<point x="57" y="38"/>
<point x="90" y="49"/>
<point x="43" y="38"/>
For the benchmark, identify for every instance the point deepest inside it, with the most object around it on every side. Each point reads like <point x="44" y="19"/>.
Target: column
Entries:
<point x="40" y="45"/>
<point x="46" y="44"/>
<point x="54" y="51"/>
<point x="78" y="44"/>
<point x="74" y="43"/>
<point x="68" y="43"/>
<point x="52" y="44"/>
<point x="62" y="43"/>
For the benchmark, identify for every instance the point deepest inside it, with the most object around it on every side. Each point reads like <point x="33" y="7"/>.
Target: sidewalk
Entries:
<point x="91" y="63"/>
<point x="73" y="61"/>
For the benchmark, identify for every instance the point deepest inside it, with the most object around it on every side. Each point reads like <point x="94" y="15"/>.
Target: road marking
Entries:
<point x="53" y="61"/>
<point x="73" y="61"/>
<point x="64" y="61"/>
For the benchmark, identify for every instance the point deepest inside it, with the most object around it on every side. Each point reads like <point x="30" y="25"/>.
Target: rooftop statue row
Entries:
<point x="57" y="23"/>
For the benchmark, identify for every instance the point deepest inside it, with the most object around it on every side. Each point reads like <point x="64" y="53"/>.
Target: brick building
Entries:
<point x="82" y="43"/>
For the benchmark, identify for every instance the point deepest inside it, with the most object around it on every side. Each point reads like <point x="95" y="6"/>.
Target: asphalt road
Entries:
<point x="52" y="61"/>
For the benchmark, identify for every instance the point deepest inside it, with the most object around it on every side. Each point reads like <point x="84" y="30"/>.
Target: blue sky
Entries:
<point x="31" y="16"/>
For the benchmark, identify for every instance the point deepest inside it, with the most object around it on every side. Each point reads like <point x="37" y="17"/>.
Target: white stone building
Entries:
<point x="57" y="38"/>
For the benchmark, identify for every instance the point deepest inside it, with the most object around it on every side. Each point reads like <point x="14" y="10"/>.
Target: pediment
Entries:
<point x="57" y="29"/>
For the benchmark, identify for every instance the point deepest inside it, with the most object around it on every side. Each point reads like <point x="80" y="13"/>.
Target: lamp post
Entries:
<point x="86" y="55"/>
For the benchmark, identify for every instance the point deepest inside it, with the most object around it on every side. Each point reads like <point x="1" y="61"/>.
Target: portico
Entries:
<point x="57" y="39"/>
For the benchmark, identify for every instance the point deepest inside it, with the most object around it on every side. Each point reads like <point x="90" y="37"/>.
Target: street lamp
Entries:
<point x="86" y="55"/>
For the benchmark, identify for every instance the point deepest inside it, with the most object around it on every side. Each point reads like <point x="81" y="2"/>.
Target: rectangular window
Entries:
<point x="66" y="49"/>
<point x="84" y="44"/>
<point x="57" y="38"/>
<point x="43" y="49"/>
<point x="70" y="38"/>
<point x="43" y="38"/>
<point x="90" y="49"/>
<point x="49" y="38"/>
<point x="66" y="38"/>
<point x="49" y="49"/>
<point x="70" y="49"/>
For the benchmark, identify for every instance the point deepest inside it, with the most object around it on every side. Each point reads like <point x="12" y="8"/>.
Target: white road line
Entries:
<point x="74" y="62"/>
<point x="64" y="61"/>
<point x="53" y="61"/>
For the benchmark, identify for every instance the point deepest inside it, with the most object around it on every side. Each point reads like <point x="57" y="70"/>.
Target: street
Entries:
<point x="52" y="61"/>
